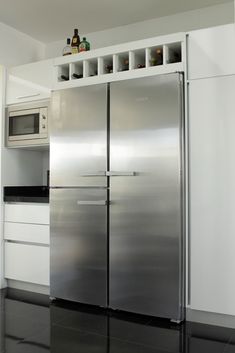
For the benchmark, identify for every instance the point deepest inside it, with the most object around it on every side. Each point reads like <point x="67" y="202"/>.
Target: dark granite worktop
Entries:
<point x="38" y="194"/>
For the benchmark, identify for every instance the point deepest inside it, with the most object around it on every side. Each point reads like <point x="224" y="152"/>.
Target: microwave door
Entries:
<point x="24" y="126"/>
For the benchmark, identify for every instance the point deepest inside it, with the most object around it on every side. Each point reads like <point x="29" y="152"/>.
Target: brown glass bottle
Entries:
<point x="75" y="42"/>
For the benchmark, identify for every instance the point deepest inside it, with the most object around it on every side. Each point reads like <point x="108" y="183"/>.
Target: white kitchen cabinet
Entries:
<point x="27" y="213"/>
<point x="28" y="263"/>
<point x="212" y="194"/>
<point x="27" y="238"/>
<point x="23" y="232"/>
<point x="211" y="52"/>
<point x="29" y="82"/>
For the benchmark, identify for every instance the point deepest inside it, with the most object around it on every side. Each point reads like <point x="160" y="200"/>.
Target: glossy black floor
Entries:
<point x="30" y="324"/>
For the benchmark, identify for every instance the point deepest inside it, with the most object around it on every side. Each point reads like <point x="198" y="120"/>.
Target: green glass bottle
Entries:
<point x="84" y="45"/>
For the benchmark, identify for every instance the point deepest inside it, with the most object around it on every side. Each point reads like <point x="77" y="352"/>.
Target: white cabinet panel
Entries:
<point x="29" y="82"/>
<point x="27" y="213"/>
<point x="28" y="263"/>
<point x="211" y="52"/>
<point x="33" y="233"/>
<point x="212" y="194"/>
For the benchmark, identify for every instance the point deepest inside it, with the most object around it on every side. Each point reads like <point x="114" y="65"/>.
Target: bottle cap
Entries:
<point x="75" y="31"/>
<point x="68" y="41"/>
<point x="84" y="38"/>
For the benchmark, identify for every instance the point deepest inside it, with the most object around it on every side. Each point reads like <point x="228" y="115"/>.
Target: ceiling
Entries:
<point x="51" y="20"/>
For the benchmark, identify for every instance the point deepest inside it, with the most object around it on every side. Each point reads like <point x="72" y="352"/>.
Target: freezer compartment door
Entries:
<point x="146" y="204"/>
<point x="78" y="142"/>
<point x="79" y="245"/>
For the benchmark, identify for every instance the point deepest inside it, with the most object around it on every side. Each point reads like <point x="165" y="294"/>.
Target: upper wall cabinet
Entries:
<point x="29" y="82"/>
<point x="211" y="52"/>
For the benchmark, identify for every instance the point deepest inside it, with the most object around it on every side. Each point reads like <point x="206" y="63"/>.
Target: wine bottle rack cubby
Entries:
<point x="141" y="58"/>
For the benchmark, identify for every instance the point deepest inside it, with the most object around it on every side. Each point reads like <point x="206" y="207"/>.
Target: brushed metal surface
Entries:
<point x="112" y="173"/>
<point x="95" y="203"/>
<point x="78" y="245"/>
<point x="78" y="143"/>
<point x="146" y="209"/>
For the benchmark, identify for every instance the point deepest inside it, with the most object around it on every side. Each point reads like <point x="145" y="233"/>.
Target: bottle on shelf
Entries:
<point x="67" y="49"/>
<point x="84" y="45"/>
<point x="76" y="76"/>
<point x="109" y="68"/>
<point x="157" y="59"/>
<point x="64" y="78"/>
<point x="75" y="42"/>
<point x="140" y="66"/>
<point x="125" y="66"/>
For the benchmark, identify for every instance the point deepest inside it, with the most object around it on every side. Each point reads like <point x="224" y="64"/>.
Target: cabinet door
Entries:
<point x="28" y="263"/>
<point x="211" y="52"/>
<point x="29" y="82"/>
<point x="212" y="194"/>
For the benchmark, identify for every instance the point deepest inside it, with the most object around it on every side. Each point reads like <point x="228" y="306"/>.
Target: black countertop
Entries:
<point x="38" y="194"/>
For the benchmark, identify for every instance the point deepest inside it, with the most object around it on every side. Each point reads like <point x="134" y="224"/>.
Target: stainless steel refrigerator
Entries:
<point x="117" y="195"/>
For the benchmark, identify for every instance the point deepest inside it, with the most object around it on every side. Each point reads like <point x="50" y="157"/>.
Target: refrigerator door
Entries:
<point x="78" y="143"/>
<point x="79" y="245"/>
<point x="146" y="196"/>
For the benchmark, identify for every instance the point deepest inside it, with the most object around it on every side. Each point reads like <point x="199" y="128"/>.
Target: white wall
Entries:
<point x="18" y="48"/>
<point x="182" y="22"/>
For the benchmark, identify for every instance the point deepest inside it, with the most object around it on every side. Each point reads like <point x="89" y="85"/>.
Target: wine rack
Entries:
<point x="76" y="70"/>
<point x="141" y="58"/>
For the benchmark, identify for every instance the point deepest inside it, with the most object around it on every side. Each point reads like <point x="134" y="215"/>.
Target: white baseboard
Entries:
<point x="31" y="287"/>
<point x="210" y="318"/>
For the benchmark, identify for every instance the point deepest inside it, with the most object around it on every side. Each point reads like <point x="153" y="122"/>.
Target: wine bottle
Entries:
<point x="64" y="78"/>
<point x="109" y="68"/>
<point x="75" y="42"/>
<point x="84" y="45"/>
<point x="77" y="76"/>
<point x="140" y="66"/>
<point x="125" y="66"/>
<point x="159" y="57"/>
<point x="67" y="49"/>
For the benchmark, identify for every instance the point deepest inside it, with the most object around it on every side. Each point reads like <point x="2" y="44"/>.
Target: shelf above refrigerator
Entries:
<point x="157" y="55"/>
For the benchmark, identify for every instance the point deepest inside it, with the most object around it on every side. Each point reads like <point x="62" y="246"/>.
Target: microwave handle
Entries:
<point x="28" y="96"/>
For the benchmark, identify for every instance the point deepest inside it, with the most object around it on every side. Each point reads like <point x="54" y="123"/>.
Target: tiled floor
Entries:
<point x="29" y="324"/>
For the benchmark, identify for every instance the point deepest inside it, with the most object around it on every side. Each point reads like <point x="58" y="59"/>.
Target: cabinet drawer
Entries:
<point x="28" y="263"/>
<point x="24" y="213"/>
<point x="33" y="233"/>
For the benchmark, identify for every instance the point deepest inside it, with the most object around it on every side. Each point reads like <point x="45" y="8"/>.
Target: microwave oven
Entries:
<point x="27" y="124"/>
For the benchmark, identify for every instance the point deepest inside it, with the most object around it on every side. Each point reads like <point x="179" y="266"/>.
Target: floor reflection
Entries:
<point x="31" y="324"/>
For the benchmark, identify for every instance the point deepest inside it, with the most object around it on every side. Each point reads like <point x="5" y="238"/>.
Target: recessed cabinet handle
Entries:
<point x="92" y="203"/>
<point x="120" y="173"/>
<point x="28" y="96"/>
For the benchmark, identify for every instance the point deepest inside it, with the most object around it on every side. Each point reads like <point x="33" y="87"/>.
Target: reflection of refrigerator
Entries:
<point x="116" y="195"/>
